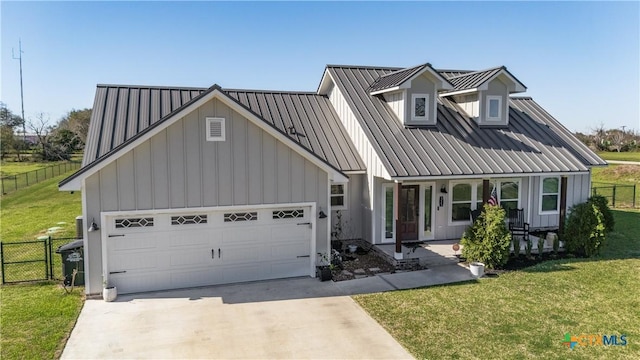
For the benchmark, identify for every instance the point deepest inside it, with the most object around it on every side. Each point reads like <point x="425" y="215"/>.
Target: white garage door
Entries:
<point x="146" y="252"/>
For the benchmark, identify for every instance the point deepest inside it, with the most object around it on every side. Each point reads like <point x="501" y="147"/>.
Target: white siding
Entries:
<point x="578" y="191"/>
<point x="360" y="140"/>
<point x="396" y="102"/>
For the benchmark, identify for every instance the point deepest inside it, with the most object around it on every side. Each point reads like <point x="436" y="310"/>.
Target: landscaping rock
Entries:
<point x="346" y="273"/>
<point x="361" y="276"/>
<point x="375" y="270"/>
<point x="359" y="271"/>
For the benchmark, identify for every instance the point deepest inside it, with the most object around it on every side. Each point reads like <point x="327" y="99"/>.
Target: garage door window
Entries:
<point x="134" y="223"/>
<point x="288" y="214"/>
<point x="188" y="219"/>
<point x="240" y="216"/>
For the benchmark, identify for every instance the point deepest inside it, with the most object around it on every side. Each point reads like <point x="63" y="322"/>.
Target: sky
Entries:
<point x="579" y="60"/>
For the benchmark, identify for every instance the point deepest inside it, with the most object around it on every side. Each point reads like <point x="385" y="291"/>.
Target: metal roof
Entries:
<point x="534" y="142"/>
<point x="465" y="80"/>
<point x="395" y="78"/>
<point x="121" y="112"/>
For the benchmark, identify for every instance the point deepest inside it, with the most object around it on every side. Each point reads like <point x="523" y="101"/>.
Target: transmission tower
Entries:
<point x="19" y="57"/>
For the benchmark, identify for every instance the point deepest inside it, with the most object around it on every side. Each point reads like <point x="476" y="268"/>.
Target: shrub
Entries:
<point x="540" y="247"/>
<point x="601" y="203"/>
<point x="516" y="247"/>
<point x="584" y="231"/>
<point x="528" y="248"/>
<point x="488" y="239"/>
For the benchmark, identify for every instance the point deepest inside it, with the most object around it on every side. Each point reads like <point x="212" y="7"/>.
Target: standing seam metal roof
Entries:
<point x="534" y="142"/>
<point x="121" y="112"/>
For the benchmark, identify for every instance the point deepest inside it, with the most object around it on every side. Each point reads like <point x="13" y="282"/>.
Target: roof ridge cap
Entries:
<point x="502" y="67"/>
<point x="152" y="87"/>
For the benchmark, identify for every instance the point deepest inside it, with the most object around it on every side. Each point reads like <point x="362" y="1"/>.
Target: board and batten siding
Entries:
<point x="359" y="138"/>
<point x="354" y="220"/>
<point x="578" y="191"/>
<point x="178" y="169"/>
<point x="395" y="100"/>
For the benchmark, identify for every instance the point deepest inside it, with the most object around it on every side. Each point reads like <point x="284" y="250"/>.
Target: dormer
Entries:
<point x="484" y="95"/>
<point x="412" y="93"/>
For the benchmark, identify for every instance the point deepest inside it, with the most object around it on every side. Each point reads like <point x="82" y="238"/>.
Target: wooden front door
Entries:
<point x="409" y="209"/>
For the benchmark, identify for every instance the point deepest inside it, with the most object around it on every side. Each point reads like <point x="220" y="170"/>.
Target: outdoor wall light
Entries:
<point x="443" y="189"/>
<point x="93" y="226"/>
<point x="322" y="215"/>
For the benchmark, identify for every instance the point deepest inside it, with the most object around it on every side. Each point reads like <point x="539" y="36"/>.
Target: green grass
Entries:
<point x="622" y="156"/>
<point x="525" y="314"/>
<point x="12" y="168"/>
<point x="29" y="212"/>
<point x="36" y="320"/>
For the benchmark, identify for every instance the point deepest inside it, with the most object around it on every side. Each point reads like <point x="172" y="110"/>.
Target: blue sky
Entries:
<point x="579" y="60"/>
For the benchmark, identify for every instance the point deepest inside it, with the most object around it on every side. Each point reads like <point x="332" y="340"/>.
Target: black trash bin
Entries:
<point x="72" y="258"/>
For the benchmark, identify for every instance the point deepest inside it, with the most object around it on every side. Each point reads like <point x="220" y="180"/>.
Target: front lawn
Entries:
<point x="36" y="318"/>
<point x="525" y="314"/>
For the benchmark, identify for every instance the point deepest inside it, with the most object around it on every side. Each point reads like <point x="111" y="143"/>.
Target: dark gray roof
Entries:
<point x="121" y="112"/>
<point x="464" y="80"/>
<point x="310" y="115"/>
<point x="395" y="78"/>
<point x="534" y="142"/>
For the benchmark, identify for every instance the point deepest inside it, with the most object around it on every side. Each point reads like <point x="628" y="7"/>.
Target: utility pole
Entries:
<point x="24" y="128"/>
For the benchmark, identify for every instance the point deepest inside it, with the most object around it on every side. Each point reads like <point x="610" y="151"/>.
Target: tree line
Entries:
<point x="602" y="139"/>
<point x="43" y="141"/>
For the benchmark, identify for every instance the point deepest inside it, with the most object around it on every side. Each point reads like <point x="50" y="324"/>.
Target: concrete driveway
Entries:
<point x="292" y="318"/>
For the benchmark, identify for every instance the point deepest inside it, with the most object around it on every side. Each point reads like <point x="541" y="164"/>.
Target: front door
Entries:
<point x="409" y="210"/>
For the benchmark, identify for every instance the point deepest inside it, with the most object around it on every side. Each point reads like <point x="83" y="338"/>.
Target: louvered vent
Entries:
<point x="215" y="129"/>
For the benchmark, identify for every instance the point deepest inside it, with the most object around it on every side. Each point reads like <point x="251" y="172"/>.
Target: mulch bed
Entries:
<point x="521" y="262"/>
<point x="359" y="264"/>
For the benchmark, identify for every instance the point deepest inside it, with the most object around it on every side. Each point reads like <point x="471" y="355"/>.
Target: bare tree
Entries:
<point x="599" y="135"/>
<point x="41" y="128"/>
<point x="616" y="137"/>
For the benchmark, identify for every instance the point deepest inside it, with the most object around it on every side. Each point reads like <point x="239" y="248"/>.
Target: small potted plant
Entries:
<point x="109" y="293"/>
<point x="324" y="268"/>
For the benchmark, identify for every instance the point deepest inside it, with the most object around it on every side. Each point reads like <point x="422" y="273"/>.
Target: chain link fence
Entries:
<point x="33" y="260"/>
<point x="619" y="195"/>
<point x="12" y="183"/>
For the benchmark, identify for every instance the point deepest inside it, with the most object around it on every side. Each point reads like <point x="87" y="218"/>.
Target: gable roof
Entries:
<point x="124" y="114"/>
<point x="401" y="76"/>
<point x="534" y="142"/>
<point x="466" y="80"/>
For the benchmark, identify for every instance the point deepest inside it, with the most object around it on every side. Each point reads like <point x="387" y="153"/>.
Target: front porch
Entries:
<point x="439" y="252"/>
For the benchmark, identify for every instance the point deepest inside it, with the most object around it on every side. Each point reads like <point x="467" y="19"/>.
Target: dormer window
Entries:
<point x="494" y="108"/>
<point x="420" y="106"/>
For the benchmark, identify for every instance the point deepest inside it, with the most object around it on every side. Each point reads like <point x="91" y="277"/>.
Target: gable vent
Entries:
<point x="215" y="129"/>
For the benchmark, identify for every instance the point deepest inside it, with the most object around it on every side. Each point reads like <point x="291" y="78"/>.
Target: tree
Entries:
<point x="8" y="121"/>
<point x="77" y="121"/>
<point x="41" y="128"/>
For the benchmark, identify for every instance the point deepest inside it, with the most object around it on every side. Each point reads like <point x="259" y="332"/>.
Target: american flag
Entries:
<point x="493" y="199"/>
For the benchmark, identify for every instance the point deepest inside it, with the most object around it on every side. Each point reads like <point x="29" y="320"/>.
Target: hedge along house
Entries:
<point x="193" y="186"/>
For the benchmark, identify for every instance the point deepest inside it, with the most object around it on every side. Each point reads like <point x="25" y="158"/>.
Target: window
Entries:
<point x="389" y="223"/>
<point x="339" y="197"/>
<point x="461" y="204"/>
<point x="509" y="195"/>
<point x="549" y="195"/>
<point x="467" y="196"/>
<point x="420" y="106"/>
<point x="215" y="129"/>
<point x="494" y="108"/>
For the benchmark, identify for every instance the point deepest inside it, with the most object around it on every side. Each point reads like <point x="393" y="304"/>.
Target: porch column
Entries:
<point x="398" y="202"/>
<point x="486" y="192"/>
<point x="563" y="202"/>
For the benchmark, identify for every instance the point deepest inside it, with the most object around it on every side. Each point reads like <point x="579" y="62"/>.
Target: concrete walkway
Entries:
<point x="280" y="319"/>
<point x="621" y="162"/>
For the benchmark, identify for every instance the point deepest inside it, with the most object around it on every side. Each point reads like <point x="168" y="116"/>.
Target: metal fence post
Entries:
<point x="50" y="258"/>
<point x="15" y="181"/>
<point x="614" y="196"/>
<point x="2" y="260"/>
<point x="634" y="195"/>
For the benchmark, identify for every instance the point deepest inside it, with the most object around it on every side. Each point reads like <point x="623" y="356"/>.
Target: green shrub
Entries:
<point x="584" y="232"/>
<point x="540" y="247"/>
<point x="516" y="247"/>
<point x="488" y="239"/>
<point x="601" y="203"/>
<point x="528" y="248"/>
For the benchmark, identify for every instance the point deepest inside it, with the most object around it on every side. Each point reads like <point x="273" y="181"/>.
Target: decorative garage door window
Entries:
<point x="240" y="216"/>
<point x="134" y="223"/>
<point x="288" y="214"/>
<point x="188" y="219"/>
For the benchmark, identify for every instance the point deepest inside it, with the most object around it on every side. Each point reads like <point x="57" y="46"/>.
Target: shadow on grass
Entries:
<point x="553" y="265"/>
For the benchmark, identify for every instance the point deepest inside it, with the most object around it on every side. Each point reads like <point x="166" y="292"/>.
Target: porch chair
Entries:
<point x="517" y="226"/>
<point x="475" y="214"/>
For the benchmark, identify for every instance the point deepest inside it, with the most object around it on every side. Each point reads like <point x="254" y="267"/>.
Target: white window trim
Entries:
<point x="413" y="107"/>
<point x="221" y="121"/>
<point x="383" y="238"/>
<point x="474" y="196"/>
<point x="542" y="193"/>
<point x="344" y="194"/>
<point x="488" y="101"/>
